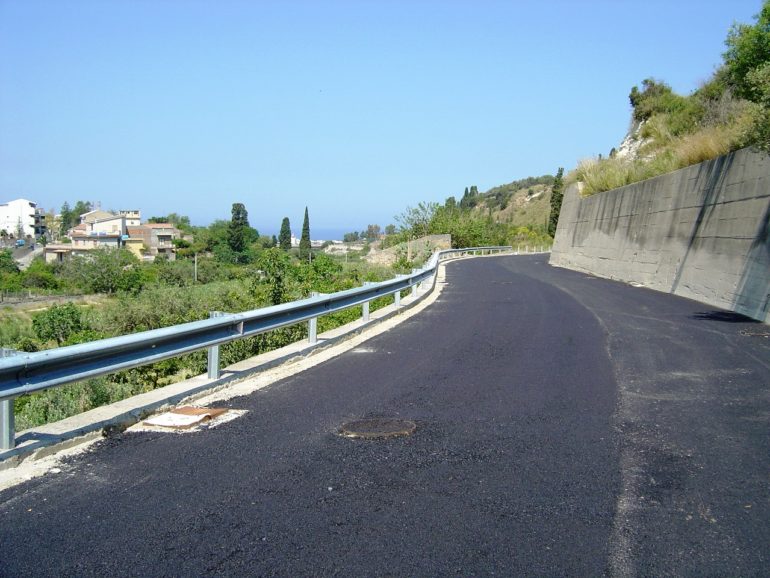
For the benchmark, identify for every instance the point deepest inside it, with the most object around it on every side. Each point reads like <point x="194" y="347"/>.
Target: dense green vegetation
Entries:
<point x="227" y="266"/>
<point x="481" y="218"/>
<point x="274" y="277"/>
<point x="728" y="112"/>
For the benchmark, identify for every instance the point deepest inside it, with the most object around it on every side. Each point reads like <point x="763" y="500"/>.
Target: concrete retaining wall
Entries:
<point x="702" y="232"/>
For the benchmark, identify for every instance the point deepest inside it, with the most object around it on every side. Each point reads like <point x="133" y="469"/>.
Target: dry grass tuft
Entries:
<point x="706" y="144"/>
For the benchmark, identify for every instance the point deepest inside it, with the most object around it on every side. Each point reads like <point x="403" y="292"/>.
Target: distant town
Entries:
<point x="23" y="224"/>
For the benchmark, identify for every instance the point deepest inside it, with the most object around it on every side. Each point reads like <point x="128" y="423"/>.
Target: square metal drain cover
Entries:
<point x="188" y="418"/>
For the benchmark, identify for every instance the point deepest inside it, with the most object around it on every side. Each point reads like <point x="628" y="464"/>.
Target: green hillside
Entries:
<point x="670" y="131"/>
<point x="523" y="203"/>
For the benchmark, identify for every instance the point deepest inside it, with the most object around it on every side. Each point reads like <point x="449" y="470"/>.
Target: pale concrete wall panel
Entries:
<point x="702" y="232"/>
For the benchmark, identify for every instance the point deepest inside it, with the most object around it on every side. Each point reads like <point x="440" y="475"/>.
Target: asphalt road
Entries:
<point x="567" y="425"/>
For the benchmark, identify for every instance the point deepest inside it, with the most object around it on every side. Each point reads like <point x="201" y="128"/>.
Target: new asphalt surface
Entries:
<point x="566" y="425"/>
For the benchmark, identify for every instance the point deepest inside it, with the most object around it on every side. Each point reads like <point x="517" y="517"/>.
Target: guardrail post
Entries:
<point x="365" y="307"/>
<point x="7" y="417"/>
<point x="7" y="425"/>
<point x="213" y="357"/>
<point x="397" y="295"/>
<point x="416" y="285"/>
<point x="312" y="325"/>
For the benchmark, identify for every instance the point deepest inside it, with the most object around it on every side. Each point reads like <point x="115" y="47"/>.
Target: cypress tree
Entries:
<point x="66" y="219"/>
<point x="557" y="194"/>
<point x="284" y="237"/>
<point x="304" y="241"/>
<point x="237" y="231"/>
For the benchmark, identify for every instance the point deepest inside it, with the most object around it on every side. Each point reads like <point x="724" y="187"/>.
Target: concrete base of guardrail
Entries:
<point x="39" y="442"/>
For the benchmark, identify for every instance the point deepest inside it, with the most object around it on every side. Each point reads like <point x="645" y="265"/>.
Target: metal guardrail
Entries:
<point x="27" y="373"/>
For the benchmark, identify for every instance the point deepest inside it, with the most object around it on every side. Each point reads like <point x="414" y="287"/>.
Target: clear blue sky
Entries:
<point x="356" y="109"/>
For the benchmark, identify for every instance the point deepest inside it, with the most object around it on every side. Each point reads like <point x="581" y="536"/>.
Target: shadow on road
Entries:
<point x="723" y="316"/>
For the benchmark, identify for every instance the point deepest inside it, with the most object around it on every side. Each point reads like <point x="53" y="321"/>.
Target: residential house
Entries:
<point x="97" y="230"/>
<point x="59" y="252"/>
<point x="105" y="230"/>
<point x="156" y="239"/>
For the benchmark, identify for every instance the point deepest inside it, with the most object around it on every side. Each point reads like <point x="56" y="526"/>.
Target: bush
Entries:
<point x="40" y="275"/>
<point x="57" y="323"/>
<point x="105" y="271"/>
<point x="11" y="282"/>
<point x="7" y="263"/>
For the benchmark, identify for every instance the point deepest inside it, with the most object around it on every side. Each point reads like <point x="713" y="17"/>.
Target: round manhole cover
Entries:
<point x="378" y="427"/>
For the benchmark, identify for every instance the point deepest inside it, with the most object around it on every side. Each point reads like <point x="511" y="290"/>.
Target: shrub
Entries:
<point x="105" y="271"/>
<point x="7" y="263"/>
<point x="40" y="275"/>
<point x="57" y="323"/>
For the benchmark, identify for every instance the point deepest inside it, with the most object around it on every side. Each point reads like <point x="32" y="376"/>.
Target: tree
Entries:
<point x="557" y="195"/>
<point x="57" y="323"/>
<point x="214" y="239"/>
<point x="351" y="237"/>
<point x="416" y="220"/>
<point x="275" y="265"/>
<point x="181" y="222"/>
<point x="748" y="49"/>
<point x="304" y="241"/>
<point x="7" y="263"/>
<point x="237" y="234"/>
<point x="284" y="237"/>
<point x="469" y="199"/>
<point x="80" y="208"/>
<point x="67" y="219"/>
<point x="760" y="132"/>
<point x="274" y="241"/>
<point x="372" y="233"/>
<point x="390" y="229"/>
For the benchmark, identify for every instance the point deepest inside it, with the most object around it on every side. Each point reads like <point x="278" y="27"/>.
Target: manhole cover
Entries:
<point x="378" y="427"/>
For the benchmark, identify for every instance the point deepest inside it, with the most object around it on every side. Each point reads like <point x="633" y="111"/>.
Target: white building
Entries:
<point x="23" y="214"/>
<point x="133" y="217"/>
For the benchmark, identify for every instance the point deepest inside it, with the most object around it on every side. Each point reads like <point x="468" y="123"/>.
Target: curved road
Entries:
<point x="567" y="425"/>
